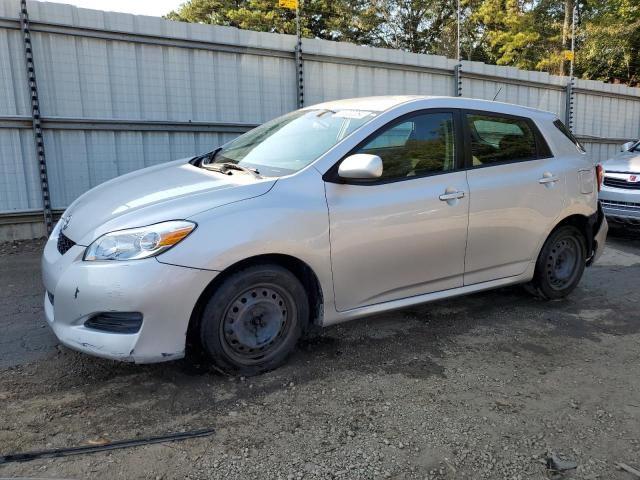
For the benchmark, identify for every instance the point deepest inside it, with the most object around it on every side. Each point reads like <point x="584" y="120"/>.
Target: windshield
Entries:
<point x="289" y="143"/>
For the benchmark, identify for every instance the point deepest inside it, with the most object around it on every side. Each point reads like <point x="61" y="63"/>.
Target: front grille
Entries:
<point x="64" y="243"/>
<point x="621" y="183"/>
<point x="629" y="206"/>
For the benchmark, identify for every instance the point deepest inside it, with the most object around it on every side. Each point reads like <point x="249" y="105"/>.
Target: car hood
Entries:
<point x="623" y="162"/>
<point x="170" y="191"/>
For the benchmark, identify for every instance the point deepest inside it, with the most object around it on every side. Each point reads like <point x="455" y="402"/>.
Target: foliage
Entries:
<point x="350" y="21"/>
<point x="519" y="33"/>
<point x="610" y="42"/>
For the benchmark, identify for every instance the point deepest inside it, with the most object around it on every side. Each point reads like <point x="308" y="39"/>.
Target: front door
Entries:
<point x="405" y="233"/>
<point x="517" y="189"/>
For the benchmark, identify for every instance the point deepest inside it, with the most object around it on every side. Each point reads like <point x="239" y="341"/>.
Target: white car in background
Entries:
<point x="620" y="193"/>
<point x="329" y="213"/>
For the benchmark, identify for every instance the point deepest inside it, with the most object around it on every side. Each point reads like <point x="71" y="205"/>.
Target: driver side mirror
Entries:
<point x="361" y="166"/>
<point x="627" y="146"/>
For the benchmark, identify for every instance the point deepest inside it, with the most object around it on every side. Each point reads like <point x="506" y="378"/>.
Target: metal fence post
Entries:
<point x="568" y="112"/>
<point x="300" y="75"/>
<point x="299" y="61"/>
<point x="571" y="84"/>
<point x="457" y="80"/>
<point x="35" y="116"/>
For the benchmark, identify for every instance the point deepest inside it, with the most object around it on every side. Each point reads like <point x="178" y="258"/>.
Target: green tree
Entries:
<point x="341" y="20"/>
<point x="413" y="25"/>
<point x="260" y="15"/>
<point x="609" y="42"/>
<point x="525" y="34"/>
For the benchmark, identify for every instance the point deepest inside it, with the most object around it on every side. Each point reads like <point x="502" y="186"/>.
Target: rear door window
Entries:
<point x="497" y="139"/>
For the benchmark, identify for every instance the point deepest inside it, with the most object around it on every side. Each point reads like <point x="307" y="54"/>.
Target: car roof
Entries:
<point x="384" y="103"/>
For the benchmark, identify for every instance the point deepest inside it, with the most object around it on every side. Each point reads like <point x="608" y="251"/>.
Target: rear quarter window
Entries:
<point x="567" y="133"/>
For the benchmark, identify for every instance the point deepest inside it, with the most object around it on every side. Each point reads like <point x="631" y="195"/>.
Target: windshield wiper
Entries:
<point x="209" y="156"/>
<point x="224" y="167"/>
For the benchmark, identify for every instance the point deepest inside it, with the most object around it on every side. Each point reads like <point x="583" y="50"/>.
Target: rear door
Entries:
<point x="405" y="233"/>
<point x="517" y="191"/>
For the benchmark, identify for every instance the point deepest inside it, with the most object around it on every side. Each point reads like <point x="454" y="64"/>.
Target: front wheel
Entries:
<point x="560" y="264"/>
<point x="253" y="321"/>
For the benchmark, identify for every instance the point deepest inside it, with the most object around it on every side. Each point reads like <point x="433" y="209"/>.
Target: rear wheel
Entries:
<point x="253" y="321"/>
<point x="560" y="264"/>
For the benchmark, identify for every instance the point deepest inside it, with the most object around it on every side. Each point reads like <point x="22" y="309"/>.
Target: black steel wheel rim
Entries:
<point x="563" y="262"/>
<point x="257" y="322"/>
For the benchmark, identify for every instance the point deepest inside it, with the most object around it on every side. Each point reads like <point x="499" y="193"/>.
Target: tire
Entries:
<point x="560" y="264"/>
<point x="253" y="321"/>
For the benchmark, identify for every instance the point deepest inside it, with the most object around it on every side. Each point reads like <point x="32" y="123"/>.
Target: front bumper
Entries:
<point x="164" y="294"/>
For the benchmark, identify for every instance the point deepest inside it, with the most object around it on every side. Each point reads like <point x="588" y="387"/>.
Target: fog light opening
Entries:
<point x="115" y="322"/>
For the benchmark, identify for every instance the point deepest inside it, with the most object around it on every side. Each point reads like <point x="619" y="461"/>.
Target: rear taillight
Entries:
<point x="599" y="175"/>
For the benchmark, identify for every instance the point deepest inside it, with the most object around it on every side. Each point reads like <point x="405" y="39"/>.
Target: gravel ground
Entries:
<point x="481" y="387"/>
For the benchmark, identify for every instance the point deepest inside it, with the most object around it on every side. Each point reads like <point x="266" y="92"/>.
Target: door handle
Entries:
<point x="451" y="196"/>
<point x="548" y="178"/>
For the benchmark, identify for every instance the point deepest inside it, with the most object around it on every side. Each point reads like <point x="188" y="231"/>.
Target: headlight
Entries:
<point x="136" y="243"/>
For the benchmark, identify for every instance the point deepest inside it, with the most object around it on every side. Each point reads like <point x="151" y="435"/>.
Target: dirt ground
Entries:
<point x="485" y="386"/>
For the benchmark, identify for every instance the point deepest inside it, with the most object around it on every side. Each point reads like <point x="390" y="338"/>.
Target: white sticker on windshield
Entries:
<point x="357" y="114"/>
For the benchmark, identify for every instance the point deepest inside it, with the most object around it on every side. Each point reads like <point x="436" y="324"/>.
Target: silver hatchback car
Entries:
<point x="326" y="214"/>
<point x="620" y="193"/>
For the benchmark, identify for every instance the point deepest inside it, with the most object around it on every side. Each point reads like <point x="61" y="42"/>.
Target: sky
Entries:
<point x="155" y="8"/>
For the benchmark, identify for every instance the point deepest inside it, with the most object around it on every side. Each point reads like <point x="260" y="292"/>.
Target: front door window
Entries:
<point x="417" y="146"/>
